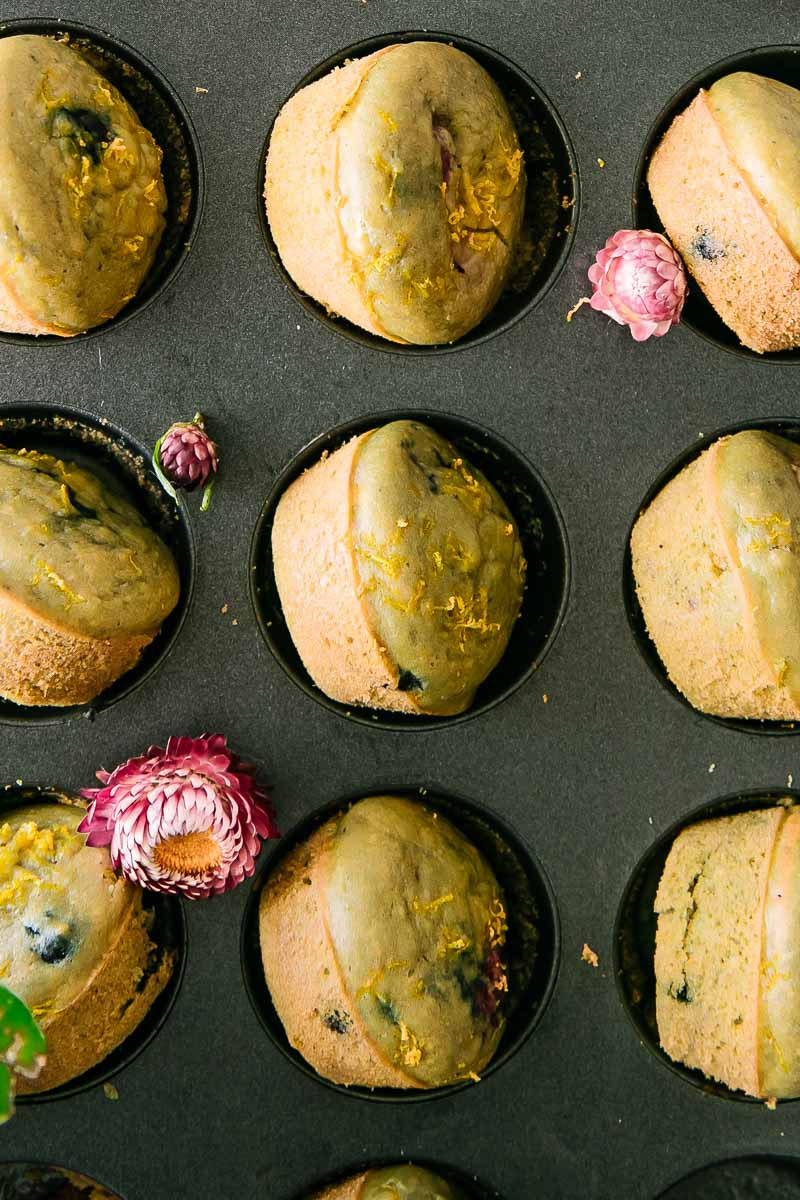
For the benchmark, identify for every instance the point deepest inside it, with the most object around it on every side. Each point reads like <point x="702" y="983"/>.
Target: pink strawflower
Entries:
<point x="185" y="457"/>
<point x="187" y="819"/>
<point x="639" y="281"/>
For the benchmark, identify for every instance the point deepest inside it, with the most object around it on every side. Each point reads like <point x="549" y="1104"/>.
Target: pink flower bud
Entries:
<point x="639" y="280"/>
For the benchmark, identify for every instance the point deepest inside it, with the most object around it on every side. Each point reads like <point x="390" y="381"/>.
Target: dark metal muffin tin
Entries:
<point x="590" y="780"/>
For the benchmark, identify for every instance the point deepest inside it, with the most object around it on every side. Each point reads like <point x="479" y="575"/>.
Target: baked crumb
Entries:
<point x="201" y="91"/>
<point x="545" y="698"/>
<point x="771" y="1103"/>
<point x="588" y="955"/>
<point x="110" y="1092"/>
<point x="579" y="74"/>
<point x="224" y="609"/>
<point x="601" y="162"/>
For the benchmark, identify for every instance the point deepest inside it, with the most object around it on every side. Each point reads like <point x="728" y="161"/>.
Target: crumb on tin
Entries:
<point x="588" y="955"/>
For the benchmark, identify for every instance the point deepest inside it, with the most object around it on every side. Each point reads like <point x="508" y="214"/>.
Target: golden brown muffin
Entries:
<point x="381" y="938"/>
<point x="395" y="188"/>
<point x="82" y="200"/>
<point x="402" y="1182"/>
<point x="728" y="951"/>
<point x="85" y="584"/>
<point x="725" y="181"/>
<point x="74" y="940"/>
<point x="400" y="572"/>
<point x="716" y="562"/>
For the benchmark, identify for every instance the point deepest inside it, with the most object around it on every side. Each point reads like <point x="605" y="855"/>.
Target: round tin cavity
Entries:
<point x="635" y="933"/>
<point x="469" y="1188"/>
<point x="781" y="426"/>
<point x="123" y="464"/>
<point x="33" y="1181"/>
<point x="551" y="207"/>
<point x="168" y="933"/>
<point x="544" y="542"/>
<point x="775" y="62"/>
<point x="532" y="948"/>
<point x="164" y="115"/>
<point x="759" y="1176"/>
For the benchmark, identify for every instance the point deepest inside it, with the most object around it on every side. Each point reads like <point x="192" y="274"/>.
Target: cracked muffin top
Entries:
<point x="395" y="189"/>
<point x="417" y="924"/>
<point x="77" y="554"/>
<point x="439" y="561"/>
<point x="82" y="199"/>
<point x="61" y="906"/>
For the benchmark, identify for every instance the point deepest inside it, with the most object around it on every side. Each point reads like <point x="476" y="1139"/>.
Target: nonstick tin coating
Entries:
<point x="582" y="1111"/>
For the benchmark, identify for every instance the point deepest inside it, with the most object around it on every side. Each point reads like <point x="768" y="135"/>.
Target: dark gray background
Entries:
<point x="212" y="1109"/>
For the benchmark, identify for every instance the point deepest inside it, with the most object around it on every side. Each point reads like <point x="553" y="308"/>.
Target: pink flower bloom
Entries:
<point x="187" y="819"/>
<point x="639" y="280"/>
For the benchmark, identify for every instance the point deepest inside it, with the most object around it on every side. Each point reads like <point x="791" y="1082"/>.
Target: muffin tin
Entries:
<point x="589" y="762"/>
<point x="162" y="112"/>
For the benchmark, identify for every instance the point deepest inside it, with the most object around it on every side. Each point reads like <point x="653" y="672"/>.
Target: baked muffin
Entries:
<point x="74" y="940"/>
<point x="717" y="568"/>
<point x="725" y="181"/>
<point x="382" y="938"/>
<point x="400" y="572"/>
<point x="728" y="951"/>
<point x="395" y="188"/>
<point x="82" y="200"/>
<point x="31" y="1182"/>
<point x="85" y="584"/>
<point x="403" y="1182"/>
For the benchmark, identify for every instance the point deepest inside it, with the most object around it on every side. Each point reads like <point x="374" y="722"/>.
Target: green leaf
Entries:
<point x="162" y="479"/>
<point x="23" y="1048"/>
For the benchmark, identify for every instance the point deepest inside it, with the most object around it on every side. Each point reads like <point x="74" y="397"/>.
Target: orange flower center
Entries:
<point x="188" y="853"/>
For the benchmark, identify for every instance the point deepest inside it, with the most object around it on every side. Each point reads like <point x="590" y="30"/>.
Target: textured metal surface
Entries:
<point x="211" y="1109"/>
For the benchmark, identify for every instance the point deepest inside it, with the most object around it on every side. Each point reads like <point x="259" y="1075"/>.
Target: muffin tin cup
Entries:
<point x="766" y="1176"/>
<point x="124" y="464"/>
<point x="532" y="948"/>
<point x="469" y="1187"/>
<point x="162" y="112"/>
<point x="782" y="426"/>
<point x="551" y="207"/>
<point x="544" y="541"/>
<point x="40" y="1181"/>
<point x="168" y="933"/>
<point x="776" y="62"/>
<point x="635" y="933"/>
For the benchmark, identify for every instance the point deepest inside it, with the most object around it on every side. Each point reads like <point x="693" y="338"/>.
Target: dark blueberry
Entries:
<point x="337" y="1022"/>
<point x="85" y="128"/>
<point x="50" y="946"/>
<point x="408" y="682"/>
<point x="707" y="246"/>
<point x="683" y="995"/>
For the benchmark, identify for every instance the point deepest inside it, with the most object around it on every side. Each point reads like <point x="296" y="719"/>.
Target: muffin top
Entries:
<point x="82" y="200"/>
<point x="760" y="121"/>
<point x="77" y="554"/>
<point x="61" y="906"/>
<point x="759" y="498"/>
<point x="417" y="922"/>
<point x="439" y="560"/>
<point x="406" y="1182"/>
